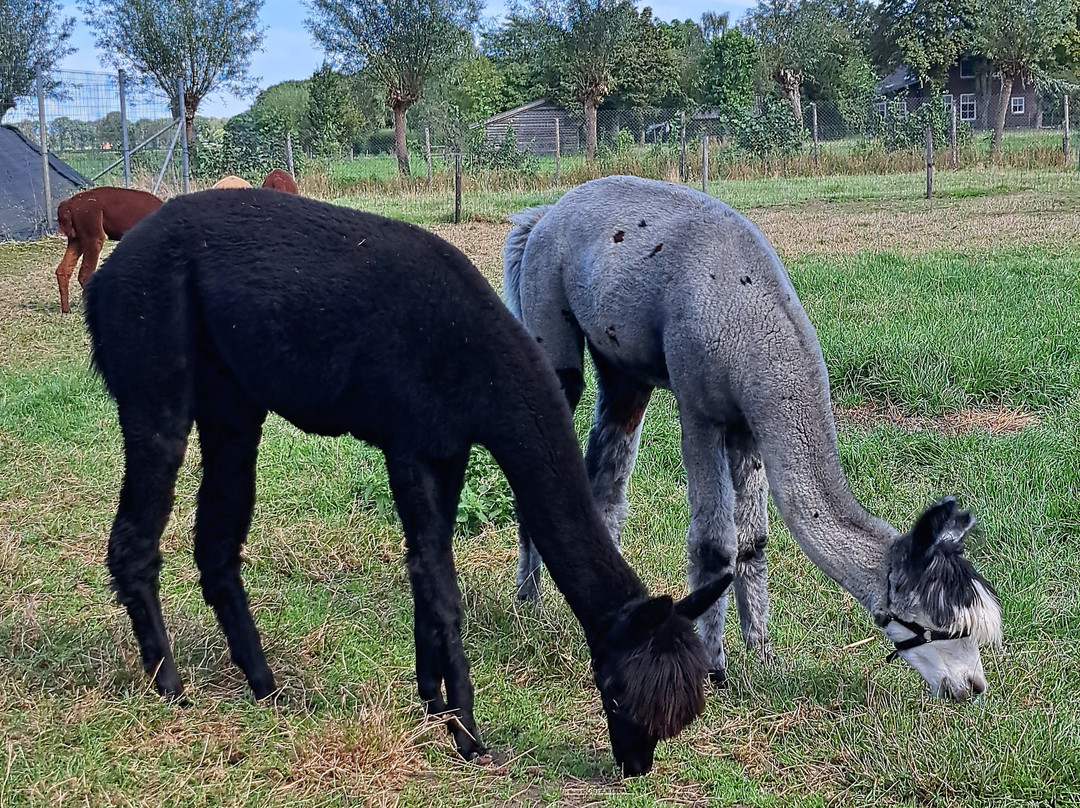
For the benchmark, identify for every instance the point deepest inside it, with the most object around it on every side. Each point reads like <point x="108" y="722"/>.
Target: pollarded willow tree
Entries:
<point x="32" y="32"/>
<point x="402" y="43"/>
<point x="208" y="43"/>
<point x="796" y="39"/>
<point x="1019" y="37"/>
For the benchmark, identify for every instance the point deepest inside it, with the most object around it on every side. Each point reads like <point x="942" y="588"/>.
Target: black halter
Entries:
<point x="923" y="635"/>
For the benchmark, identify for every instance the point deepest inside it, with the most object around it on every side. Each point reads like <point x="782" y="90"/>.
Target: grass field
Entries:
<point x="950" y="331"/>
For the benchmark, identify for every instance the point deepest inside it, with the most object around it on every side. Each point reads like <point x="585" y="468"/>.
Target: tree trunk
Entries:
<point x="400" y="146"/>
<point x="790" y="82"/>
<point x="590" y="131"/>
<point x="1000" y="113"/>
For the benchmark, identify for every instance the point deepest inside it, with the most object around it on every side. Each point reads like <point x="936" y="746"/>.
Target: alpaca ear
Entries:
<point x="650" y="614"/>
<point x="941" y="525"/>
<point x="695" y="604"/>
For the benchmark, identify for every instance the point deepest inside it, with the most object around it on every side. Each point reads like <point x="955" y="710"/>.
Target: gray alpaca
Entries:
<point x="669" y="287"/>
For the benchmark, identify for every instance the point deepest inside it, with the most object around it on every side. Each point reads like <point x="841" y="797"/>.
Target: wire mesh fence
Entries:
<point x="83" y="124"/>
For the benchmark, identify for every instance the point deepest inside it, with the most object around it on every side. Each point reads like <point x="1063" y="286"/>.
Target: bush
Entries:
<point x="770" y="131"/>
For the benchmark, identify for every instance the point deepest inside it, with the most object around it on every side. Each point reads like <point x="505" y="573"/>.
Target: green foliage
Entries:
<point x="926" y="36"/>
<point x="506" y="156"/>
<point x="727" y="72"/>
<point x="903" y="129"/>
<point x="331" y="119"/>
<point x="486" y="500"/>
<point x="31" y="32"/>
<point x="770" y="130"/>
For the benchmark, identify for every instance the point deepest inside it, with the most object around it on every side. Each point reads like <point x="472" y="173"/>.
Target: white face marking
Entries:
<point x="952" y="668"/>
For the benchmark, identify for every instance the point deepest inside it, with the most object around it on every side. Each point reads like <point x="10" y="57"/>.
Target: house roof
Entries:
<point x="898" y="80"/>
<point x="510" y="113"/>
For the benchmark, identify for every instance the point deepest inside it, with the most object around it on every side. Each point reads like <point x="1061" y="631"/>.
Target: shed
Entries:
<point x="22" y="188"/>
<point x="534" y="128"/>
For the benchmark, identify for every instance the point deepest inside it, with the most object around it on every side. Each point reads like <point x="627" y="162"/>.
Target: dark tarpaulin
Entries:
<point x="22" y="197"/>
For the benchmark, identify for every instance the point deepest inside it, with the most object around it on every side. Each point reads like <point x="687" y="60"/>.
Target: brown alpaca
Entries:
<point x="87" y="219"/>
<point x="280" y="181"/>
<point x="232" y="181"/>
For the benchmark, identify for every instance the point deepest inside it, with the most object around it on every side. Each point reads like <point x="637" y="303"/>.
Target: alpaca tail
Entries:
<point x="514" y="251"/>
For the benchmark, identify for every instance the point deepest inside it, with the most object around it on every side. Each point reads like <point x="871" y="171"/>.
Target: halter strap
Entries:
<point x="923" y="635"/>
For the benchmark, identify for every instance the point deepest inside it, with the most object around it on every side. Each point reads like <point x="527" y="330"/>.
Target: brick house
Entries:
<point x="974" y="90"/>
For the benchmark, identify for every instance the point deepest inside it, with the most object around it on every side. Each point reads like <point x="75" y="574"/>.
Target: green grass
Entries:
<point x="929" y="334"/>
<point x="900" y="192"/>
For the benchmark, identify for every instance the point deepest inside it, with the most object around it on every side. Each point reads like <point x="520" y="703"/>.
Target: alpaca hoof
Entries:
<point x="262" y="685"/>
<point x="528" y="591"/>
<point x="718" y="678"/>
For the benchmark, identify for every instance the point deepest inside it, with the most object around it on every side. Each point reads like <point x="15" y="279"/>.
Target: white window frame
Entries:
<point x="970" y="64"/>
<point x="1016" y="105"/>
<point x="882" y="107"/>
<point x="969" y="107"/>
<point x="947" y="98"/>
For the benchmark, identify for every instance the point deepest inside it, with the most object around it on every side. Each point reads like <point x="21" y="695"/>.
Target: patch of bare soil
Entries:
<point x="995" y="420"/>
<point x="993" y="222"/>
<point x="984" y="222"/>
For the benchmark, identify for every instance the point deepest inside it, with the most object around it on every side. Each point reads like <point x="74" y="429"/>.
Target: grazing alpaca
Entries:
<point x="232" y="181"/>
<point x="280" y="181"/>
<point x="226" y="306"/>
<point x="671" y="288"/>
<point x="87" y="219"/>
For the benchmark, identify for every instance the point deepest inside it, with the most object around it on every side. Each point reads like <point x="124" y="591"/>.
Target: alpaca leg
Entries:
<point x="229" y="433"/>
<point x="153" y="452"/>
<point x="426" y="494"/>
<point x="90" y="259"/>
<point x="752" y="526"/>
<point x="711" y="541"/>
<point x="621" y="402"/>
<point x="64" y="270"/>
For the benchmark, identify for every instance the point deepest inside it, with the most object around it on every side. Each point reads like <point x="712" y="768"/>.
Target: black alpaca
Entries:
<point x="225" y="305"/>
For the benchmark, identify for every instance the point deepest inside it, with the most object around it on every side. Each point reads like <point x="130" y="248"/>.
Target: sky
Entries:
<point x="290" y="53"/>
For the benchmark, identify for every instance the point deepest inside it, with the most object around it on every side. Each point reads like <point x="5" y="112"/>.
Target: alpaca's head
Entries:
<point x="940" y="609"/>
<point x="650" y="669"/>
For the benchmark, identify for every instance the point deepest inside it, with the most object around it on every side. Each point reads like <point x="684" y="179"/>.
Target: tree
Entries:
<point x="728" y="71"/>
<point x="404" y="43"/>
<point x="646" y="69"/>
<point x="792" y="36"/>
<point x="32" y="32"/>
<point x="1018" y="37"/>
<point x="713" y="25"/>
<point x="331" y="118"/>
<point x="804" y="42"/>
<point x="208" y="43"/>
<point x="926" y="36"/>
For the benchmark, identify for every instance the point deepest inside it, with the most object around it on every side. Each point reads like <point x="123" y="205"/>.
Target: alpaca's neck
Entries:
<point x="533" y="441"/>
<point x="814" y="499"/>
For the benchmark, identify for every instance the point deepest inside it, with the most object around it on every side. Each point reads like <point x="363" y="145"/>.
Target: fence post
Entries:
<point x="1065" y="134"/>
<point x="558" y="153"/>
<point x="954" y="144"/>
<point x="813" y="119"/>
<point x="427" y="154"/>
<point x="43" y="132"/>
<point x="183" y="136"/>
<point x="457" y="187"/>
<point x="124" y="129"/>
<point x="704" y="162"/>
<point x="288" y="155"/>
<point x="682" y="146"/>
<point x="929" y="161"/>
